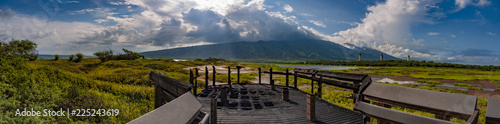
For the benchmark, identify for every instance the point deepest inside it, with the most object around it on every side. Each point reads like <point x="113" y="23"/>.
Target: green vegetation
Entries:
<point x="437" y="73"/>
<point x="88" y="84"/>
<point x="56" y="57"/>
<point x="497" y="89"/>
<point x="19" y="48"/>
<point x="79" y="57"/>
<point x="469" y="87"/>
<point x="430" y="82"/>
<point x="108" y="55"/>
<point x="404" y="63"/>
<point x="71" y="57"/>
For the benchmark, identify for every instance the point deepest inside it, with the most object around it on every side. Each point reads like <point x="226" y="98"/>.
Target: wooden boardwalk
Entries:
<point x="254" y="103"/>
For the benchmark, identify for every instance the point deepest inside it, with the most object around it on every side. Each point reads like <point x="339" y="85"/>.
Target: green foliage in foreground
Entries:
<point x="89" y="84"/>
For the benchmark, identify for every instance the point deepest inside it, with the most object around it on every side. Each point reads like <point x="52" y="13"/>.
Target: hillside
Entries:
<point x="271" y="50"/>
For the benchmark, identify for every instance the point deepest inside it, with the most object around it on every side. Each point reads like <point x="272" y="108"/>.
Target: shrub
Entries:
<point x="79" y="57"/>
<point x="56" y="57"/>
<point x="104" y="55"/>
<point x="71" y="57"/>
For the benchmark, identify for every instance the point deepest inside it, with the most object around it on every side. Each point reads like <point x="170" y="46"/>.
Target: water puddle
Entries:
<point x="393" y="81"/>
<point x="319" y="67"/>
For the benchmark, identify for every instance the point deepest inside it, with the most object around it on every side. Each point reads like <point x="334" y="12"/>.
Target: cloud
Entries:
<point x="387" y="27"/>
<point x="194" y="22"/>
<point x="492" y="34"/>
<point x="451" y="35"/>
<point x="433" y="33"/>
<point x="287" y="8"/>
<point x="476" y="52"/>
<point x="461" y="4"/>
<point x="6" y="14"/>
<point x="73" y="2"/>
<point x="317" y="23"/>
<point x="97" y="12"/>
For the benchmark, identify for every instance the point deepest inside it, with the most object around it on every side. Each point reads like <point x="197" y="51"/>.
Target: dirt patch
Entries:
<point x="483" y="94"/>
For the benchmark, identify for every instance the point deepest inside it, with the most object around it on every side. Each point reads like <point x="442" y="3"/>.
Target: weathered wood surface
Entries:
<point x="172" y="86"/>
<point x="458" y="105"/>
<point x="493" y="111"/>
<point x="396" y="116"/>
<point x="182" y="110"/>
<point x="343" y="76"/>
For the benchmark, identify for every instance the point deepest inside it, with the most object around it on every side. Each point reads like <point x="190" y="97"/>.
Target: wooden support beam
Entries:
<point x="213" y="110"/>
<point x="295" y="80"/>
<point x="311" y="107"/>
<point x="260" y="75"/>
<point x="213" y="77"/>
<point x="195" y="89"/>
<point x="229" y="77"/>
<point x="320" y="87"/>
<point x="206" y="77"/>
<point x="270" y="75"/>
<point x="238" y="67"/>
<point x="287" y="77"/>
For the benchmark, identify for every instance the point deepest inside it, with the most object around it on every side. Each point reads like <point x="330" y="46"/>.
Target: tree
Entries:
<point x="79" y="57"/>
<point x="104" y="55"/>
<point x="71" y="57"/>
<point x="130" y="55"/>
<point x="20" y="48"/>
<point x="56" y="57"/>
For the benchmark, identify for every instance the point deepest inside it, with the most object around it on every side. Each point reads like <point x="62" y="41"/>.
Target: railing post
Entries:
<point x="259" y="75"/>
<point x="270" y="75"/>
<point x="229" y="77"/>
<point x="312" y="83"/>
<point x="213" y="78"/>
<point x="206" y="77"/>
<point x="286" y="77"/>
<point x="195" y="81"/>
<point x="272" y="85"/>
<point x="238" y="67"/>
<point x="320" y="87"/>
<point x="213" y="110"/>
<point x="311" y="107"/>
<point x="284" y="93"/>
<point x="191" y="78"/>
<point x="295" y="80"/>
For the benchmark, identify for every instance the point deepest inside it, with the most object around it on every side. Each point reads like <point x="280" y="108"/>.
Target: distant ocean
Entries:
<point x="60" y="56"/>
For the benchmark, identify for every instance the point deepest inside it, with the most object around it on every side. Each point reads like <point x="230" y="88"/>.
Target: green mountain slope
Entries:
<point x="271" y="50"/>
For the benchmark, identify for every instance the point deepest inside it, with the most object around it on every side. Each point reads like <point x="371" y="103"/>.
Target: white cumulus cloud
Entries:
<point x="288" y="8"/>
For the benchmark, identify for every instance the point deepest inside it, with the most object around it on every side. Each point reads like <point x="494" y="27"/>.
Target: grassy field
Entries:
<point x="125" y="85"/>
<point x="438" y="73"/>
<point x="89" y="84"/>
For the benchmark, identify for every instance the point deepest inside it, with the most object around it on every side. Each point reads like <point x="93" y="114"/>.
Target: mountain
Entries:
<point x="272" y="50"/>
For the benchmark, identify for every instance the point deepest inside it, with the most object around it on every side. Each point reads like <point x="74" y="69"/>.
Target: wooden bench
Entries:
<point x="493" y="110"/>
<point x="443" y="105"/>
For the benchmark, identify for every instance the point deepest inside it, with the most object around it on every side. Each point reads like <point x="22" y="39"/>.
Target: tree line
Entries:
<point x="402" y="63"/>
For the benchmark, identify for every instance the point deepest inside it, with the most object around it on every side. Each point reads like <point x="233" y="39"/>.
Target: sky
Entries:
<point x="457" y="31"/>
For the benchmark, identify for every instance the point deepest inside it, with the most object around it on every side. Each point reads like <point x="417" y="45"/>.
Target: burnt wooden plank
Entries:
<point x="173" y="86"/>
<point x="342" y="76"/>
<point x="425" y="100"/>
<point x="493" y="110"/>
<point x="397" y="116"/>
